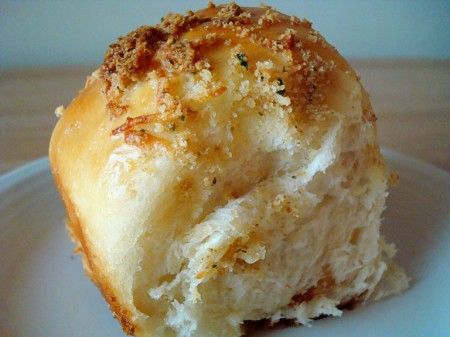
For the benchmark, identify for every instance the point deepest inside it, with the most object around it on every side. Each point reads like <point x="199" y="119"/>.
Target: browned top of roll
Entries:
<point x="189" y="43"/>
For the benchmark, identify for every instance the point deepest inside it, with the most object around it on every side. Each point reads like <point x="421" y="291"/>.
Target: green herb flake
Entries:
<point x="183" y="117"/>
<point x="214" y="181"/>
<point x="281" y="91"/>
<point x="242" y="60"/>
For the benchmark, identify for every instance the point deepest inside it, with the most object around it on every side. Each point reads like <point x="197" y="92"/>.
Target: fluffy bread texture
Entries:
<point x="222" y="168"/>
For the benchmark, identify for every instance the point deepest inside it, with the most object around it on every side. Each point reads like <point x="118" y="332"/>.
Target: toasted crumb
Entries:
<point x="393" y="179"/>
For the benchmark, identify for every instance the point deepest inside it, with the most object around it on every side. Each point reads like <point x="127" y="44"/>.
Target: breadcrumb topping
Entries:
<point x="291" y="64"/>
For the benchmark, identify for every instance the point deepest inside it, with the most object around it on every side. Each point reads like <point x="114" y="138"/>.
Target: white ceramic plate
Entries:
<point x="43" y="291"/>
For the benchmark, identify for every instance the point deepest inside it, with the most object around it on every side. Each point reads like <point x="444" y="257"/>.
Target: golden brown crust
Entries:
<point x="75" y="228"/>
<point x="180" y="43"/>
<point x="94" y="272"/>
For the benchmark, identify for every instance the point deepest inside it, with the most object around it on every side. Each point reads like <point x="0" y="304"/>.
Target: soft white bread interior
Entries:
<point x="222" y="168"/>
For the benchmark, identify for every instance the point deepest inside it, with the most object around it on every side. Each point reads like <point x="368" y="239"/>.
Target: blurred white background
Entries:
<point x="78" y="32"/>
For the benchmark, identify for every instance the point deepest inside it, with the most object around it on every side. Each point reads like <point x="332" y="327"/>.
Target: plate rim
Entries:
<point x="21" y="173"/>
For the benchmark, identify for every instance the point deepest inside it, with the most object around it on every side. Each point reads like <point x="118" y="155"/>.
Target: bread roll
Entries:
<point x="222" y="168"/>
